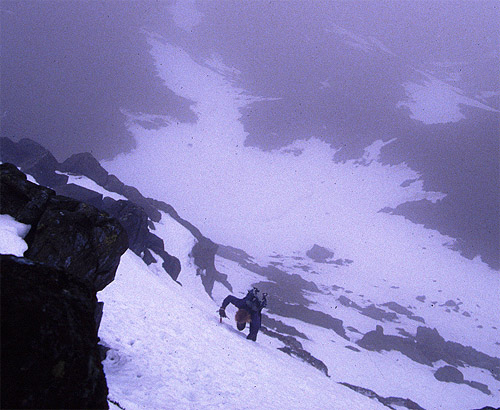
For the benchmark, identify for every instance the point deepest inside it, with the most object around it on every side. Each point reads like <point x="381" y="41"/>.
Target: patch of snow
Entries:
<point x="12" y="234"/>
<point x="85" y="182"/>
<point x="433" y="101"/>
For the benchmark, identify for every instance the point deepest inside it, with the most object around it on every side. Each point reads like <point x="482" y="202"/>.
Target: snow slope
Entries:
<point x="168" y="351"/>
<point x="276" y="205"/>
<point x="464" y="311"/>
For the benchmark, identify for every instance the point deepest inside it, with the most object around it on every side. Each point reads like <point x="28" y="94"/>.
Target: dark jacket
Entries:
<point x="256" y="316"/>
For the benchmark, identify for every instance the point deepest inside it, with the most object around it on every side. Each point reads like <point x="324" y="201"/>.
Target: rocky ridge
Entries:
<point x="136" y="213"/>
<point x="50" y="312"/>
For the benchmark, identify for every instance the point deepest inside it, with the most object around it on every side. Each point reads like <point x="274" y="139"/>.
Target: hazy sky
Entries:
<point x="73" y="73"/>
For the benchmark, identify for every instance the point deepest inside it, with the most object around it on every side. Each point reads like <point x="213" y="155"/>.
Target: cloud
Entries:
<point x="282" y="200"/>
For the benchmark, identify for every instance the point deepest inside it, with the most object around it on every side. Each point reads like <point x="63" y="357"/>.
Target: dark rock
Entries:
<point x="78" y="238"/>
<point x="20" y="198"/>
<point x="345" y="301"/>
<point x="453" y="375"/>
<point x="148" y="258"/>
<point x="379" y="314"/>
<point x="307" y="315"/>
<point x="319" y="254"/>
<point x="81" y="194"/>
<point x="386" y="401"/>
<point x="353" y="329"/>
<point x="33" y="159"/>
<point x="371" y="311"/>
<point x="203" y="253"/>
<point x="234" y="254"/>
<point x="171" y="264"/>
<point x="294" y="348"/>
<point x="133" y="194"/>
<point x="281" y="327"/>
<point x="141" y="241"/>
<point x="478" y="386"/>
<point x="113" y="184"/>
<point x="449" y="374"/>
<point x="378" y="341"/>
<point x="306" y="357"/>
<point x="86" y="164"/>
<point x="50" y="357"/>
<point x="417" y="319"/>
<point x="133" y="218"/>
<point x="398" y="308"/>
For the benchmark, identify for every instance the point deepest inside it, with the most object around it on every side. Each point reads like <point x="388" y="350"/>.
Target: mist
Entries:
<point x="296" y="97"/>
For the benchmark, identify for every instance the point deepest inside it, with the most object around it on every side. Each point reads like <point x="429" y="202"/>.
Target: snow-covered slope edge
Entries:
<point x="168" y="350"/>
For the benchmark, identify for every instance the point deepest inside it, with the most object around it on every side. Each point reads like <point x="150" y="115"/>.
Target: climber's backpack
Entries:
<point x="256" y="300"/>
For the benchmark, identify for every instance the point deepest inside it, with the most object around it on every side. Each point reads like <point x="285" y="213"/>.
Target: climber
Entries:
<point x="249" y="310"/>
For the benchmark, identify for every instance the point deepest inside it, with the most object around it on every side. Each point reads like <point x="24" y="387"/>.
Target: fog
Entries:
<point x="331" y="77"/>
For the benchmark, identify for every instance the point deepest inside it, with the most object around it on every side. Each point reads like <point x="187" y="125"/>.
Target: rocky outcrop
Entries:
<point x="50" y="357"/>
<point x="203" y="253"/>
<point x="141" y="241"/>
<point x="135" y="215"/>
<point x="33" y="159"/>
<point x="86" y="164"/>
<point x="320" y="254"/>
<point x="65" y="233"/>
<point x="50" y="313"/>
<point x="294" y="348"/>
<point x="78" y="238"/>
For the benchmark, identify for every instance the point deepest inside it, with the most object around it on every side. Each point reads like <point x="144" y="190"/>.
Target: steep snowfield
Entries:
<point x="275" y="205"/>
<point x="390" y="373"/>
<point x="169" y="351"/>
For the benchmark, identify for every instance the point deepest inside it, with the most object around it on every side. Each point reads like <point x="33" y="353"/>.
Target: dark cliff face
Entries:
<point x="50" y="313"/>
<point x="65" y="233"/>
<point x="50" y="357"/>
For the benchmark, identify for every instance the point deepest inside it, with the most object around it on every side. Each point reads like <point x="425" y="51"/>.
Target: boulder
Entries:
<point x="449" y="374"/>
<point x="319" y="254"/>
<point x="65" y="233"/>
<point x="50" y="357"/>
<point x="78" y="238"/>
<point x="132" y="218"/>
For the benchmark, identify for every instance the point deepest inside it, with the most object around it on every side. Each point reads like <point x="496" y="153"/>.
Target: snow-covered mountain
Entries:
<point x="339" y="326"/>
